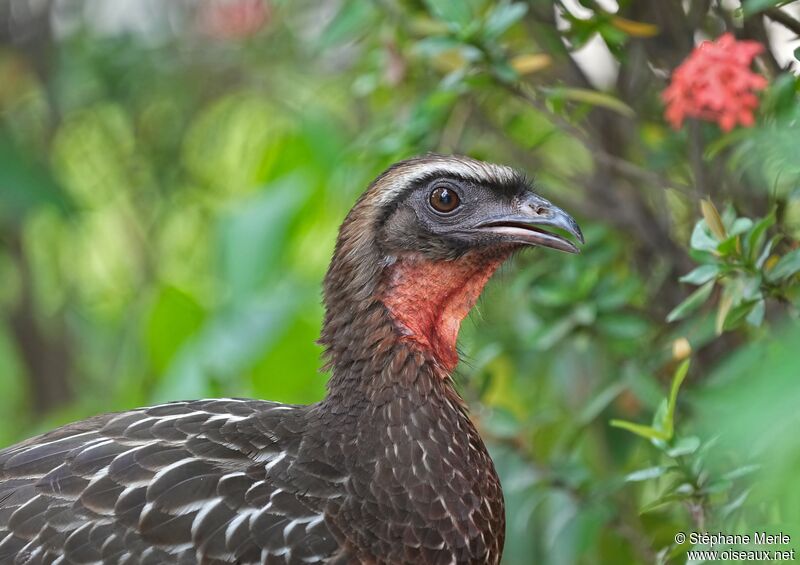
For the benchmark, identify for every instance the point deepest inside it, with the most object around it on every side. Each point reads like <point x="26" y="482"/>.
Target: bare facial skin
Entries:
<point x="429" y="299"/>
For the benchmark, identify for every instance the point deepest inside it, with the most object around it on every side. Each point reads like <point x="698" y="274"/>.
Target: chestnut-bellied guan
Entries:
<point x="386" y="469"/>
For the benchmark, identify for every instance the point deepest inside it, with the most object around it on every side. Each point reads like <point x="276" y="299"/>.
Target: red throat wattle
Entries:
<point x="429" y="299"/>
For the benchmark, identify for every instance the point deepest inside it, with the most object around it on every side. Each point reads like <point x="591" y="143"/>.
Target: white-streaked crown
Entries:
<point x="400" y="176"/>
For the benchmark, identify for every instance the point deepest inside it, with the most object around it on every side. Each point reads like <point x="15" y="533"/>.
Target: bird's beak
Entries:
<point x="524" y="225"/>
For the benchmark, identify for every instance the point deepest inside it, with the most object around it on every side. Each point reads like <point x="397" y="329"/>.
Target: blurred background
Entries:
<point x="172" y="176"/>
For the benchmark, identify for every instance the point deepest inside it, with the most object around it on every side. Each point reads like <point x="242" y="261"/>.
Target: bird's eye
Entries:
<point x="444" y="199"/>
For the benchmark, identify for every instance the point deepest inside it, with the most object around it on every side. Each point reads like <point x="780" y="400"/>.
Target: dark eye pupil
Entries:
<point x="444" y="200"/>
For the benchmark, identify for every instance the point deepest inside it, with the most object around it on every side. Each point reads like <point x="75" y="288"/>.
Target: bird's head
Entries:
<point x="426" y="236"/>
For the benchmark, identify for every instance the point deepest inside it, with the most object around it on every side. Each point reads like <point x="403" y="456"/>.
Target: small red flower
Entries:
<point x="234" y="19"/>
<point x="715" y="84"/>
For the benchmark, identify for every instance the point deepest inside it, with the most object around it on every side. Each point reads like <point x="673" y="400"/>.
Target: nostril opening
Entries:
<point x="540" y="210"/>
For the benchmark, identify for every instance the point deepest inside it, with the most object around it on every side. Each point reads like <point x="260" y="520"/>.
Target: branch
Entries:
<point x="779" y="16"/>
<point x="622" y="166"/>
<point x="46" y="356"/>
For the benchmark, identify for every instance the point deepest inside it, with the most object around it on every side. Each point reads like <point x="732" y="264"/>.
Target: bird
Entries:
<point x="387" y="468"/>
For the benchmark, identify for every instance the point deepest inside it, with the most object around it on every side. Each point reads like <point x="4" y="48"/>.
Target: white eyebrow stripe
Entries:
<point x="397" y="180"/>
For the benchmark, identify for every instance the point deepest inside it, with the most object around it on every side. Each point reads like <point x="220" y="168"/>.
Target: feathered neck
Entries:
<point x="387" y="316"/>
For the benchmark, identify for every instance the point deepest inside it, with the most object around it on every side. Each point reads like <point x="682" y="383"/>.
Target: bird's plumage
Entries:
<point x="387" y="469"/>
<point x="182" y="482"/>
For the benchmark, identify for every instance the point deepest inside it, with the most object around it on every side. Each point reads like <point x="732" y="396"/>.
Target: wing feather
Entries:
<point x="205" y="481"/>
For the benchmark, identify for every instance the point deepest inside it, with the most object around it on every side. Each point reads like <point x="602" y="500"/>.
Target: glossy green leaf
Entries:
<point x="668" y="422"/>
<point x="701" y="275"/>
<point x="641" y="430"/>
<point x="591" y="97"/>
<point x="755" y="238"/>
<point x="457" y="14"/>
<point x="740" y="472"/>
<point x="684" y="446"/>
<point x="740" y="226"/>
<point x="692" y="302"/>
<point x="787" y="266"/>
<point x="766" y="250"/>
<point x="702" y="239"/>
<point x="502" y="17"/>
<point x="646" y="474"/>
<point x="756" y="315"/>
<point x="738" y="314"/>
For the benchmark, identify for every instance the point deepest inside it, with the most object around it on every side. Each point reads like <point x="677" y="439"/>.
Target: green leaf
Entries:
<point x="502" y="17"/>
<point x="787" y="266"/>
<point x="600" y="402"/>
<point x="756" y="315"/>
<point x="436" y="46"/>
<point x="252" y="234"/>
<point x="613" y="35"/>
<point x="640" y="430"/>
<point x="738" y="314"/>
<point x="739" y="226"/>
<point x="751" y="287"/>
<point x="659" y="417"/>
<point x="231" y="341"/>
<point x="174" y="317"/>
<point x="702" y="239"/>
<point x="755" y="238"/>
<point x="504" y="71"/>
<point x="457" y="14"/>
<point x="593" y="98"/>
<point x="780" y="98"/>
<point x="646" y="474"/>
<point x="622" y="326"/>
<point x="701" y="275"/>
<point x="740" y="472"/>
<point x="723" y="142"/>
<point x="26" y="184"/>
<point x="715" y="487"/>
<point x="729" y="247"/>
<point x="750" y="400"/>
<point x="692" y="303"/>
<point x="762" y="258"/>
<point x="554" y="295"/>
<point x="752" y="7"/>
<point x="502" y="423"/>
<point x="668" y="423"/>
<point x="555" y="332"/>
<point x="735" y="504"/>
<point x="353" y="20"/>
<point x="684" y="446"/>
<point x="616" y="293"/>
<point x="662" y="500"/>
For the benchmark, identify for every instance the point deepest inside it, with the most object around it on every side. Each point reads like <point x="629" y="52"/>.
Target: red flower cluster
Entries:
<point x="715" y="84"/>
<point x="234" y="19"/>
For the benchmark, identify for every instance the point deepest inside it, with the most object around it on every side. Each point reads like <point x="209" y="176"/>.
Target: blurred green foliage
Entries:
<point x="171" y="191"/>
